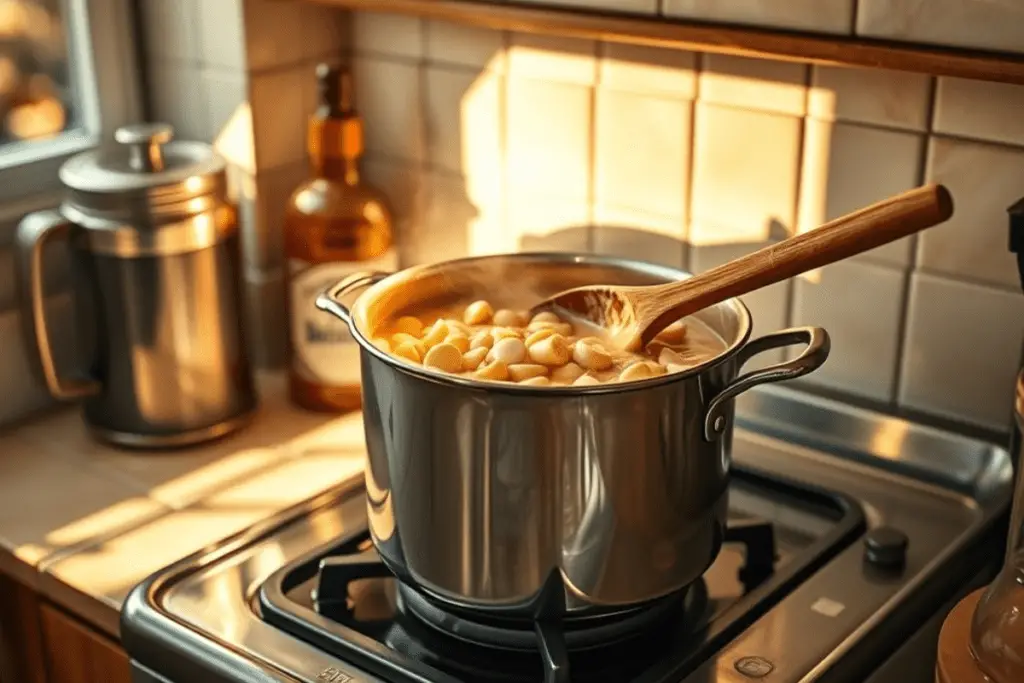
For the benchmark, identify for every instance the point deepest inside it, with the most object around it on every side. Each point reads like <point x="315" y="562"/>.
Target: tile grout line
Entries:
<point x="897" y="383"/>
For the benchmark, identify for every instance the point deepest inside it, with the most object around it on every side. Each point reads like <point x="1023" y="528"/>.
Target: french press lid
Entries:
<point x="145" y="179"/>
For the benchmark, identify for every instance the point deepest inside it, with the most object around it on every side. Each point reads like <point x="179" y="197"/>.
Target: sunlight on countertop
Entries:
<point x="96" y="520"/>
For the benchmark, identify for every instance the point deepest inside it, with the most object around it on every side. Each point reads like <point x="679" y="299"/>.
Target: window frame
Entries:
<point x="105" y="70"/>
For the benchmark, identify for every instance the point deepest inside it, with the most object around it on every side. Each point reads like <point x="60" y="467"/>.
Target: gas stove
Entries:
<point x="850" y="533"/>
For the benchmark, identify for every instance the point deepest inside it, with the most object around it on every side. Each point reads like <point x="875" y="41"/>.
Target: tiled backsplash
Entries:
<point x="488" y="141"/>
<point x="491" y="141"/>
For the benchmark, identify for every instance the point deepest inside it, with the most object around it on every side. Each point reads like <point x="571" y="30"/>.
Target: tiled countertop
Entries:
<point x="82" y="522"/>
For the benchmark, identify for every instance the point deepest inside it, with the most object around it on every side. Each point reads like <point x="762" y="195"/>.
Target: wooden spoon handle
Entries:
<point x="841" y="238"/>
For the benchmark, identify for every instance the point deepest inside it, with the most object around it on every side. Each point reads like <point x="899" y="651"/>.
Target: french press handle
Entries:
<point x="34" y="233"/>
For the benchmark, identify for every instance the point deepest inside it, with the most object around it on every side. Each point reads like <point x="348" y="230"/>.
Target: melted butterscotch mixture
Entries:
<point x="507" y="346"/>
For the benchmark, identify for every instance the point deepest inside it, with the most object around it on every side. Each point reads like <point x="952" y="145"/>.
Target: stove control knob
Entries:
<point x="886" y="547"/>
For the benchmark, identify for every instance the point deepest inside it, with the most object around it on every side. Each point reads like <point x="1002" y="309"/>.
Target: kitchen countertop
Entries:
<point x="82" y="522"/>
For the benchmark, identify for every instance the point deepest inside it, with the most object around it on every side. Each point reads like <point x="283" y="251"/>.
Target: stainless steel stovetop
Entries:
<point x="850" y="534"/>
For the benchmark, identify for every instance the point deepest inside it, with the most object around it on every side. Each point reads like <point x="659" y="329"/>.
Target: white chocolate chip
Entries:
<point x="507" y="318"/>
<point x="444" y="357"/>
<point x="540" y="381"/>
<point x="546" y="317"/>
<point x="478" y="313"/>
<point x="674" y="334"/>
<point x="472" y="359"/>
<point x="509" y="350"/>
<point x="536" y="336"/>
<point x="481" y="339"/>
<point x="551" y="350"/>
<point x="495" y="370"/>
<point x="641" y="370"/>
<point x="410" y="351"/>
<point x="409" y="325"/>
<point x="520" y="371"/>
<point x="591" y="356"/>
<point x="437" y="333"/>
<point x="500" y="333"/>
<point x="382" y="344"/>
<point x="458" y="340"/>
<point x="585" y="381"/>
<point x="567" y="374"/>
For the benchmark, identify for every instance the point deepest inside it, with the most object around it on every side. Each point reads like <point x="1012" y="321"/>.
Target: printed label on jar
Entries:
<point x="323" y="350"/>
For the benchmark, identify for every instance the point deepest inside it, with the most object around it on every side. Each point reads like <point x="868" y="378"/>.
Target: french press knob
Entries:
<point x="144" y="142"/>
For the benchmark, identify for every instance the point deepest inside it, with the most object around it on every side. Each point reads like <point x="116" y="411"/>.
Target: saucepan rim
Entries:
<point x="358" y="312"/>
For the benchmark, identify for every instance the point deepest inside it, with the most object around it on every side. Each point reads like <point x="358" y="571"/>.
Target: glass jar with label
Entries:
<point x="335" y="224"/>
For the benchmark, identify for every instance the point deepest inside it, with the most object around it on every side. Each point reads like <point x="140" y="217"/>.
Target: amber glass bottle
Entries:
<point x="335" y="224"/>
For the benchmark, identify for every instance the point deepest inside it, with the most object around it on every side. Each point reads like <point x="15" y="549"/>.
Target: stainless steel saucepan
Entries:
<point x="481" y="495"/>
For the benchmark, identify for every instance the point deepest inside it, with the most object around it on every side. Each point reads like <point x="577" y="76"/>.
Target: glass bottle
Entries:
<point x="997" y="628"/>
<point x="335" y="224"/>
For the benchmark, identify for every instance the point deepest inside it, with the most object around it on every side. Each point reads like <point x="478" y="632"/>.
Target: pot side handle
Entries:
<point x="818" y="346"/>
<point x="330" y="299"/>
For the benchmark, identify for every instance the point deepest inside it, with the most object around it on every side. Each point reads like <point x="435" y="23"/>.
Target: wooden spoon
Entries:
<point x="633" y="316"/>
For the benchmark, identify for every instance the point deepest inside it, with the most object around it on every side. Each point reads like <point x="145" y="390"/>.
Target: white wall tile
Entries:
<point x="402" y="183"/>
<point x="462" y="45"/>
<point x="447" y="228"/>
<point x="745" y="172"/>
<point x="642" y="153"/>
<point x="992" y="25"/>
<point x="984" y="181"/>
<point x="552" y="58"/>
<point x="985" y="110"/>
<point x="642" y="236"/>
<point x="540" y="223"/>
<point x="761" y="84"/>
<point x="56" y="273"/>
<point x="962" y="351"/>
<point x="825" y="16"/>
<point x="638" y="68"/>
<point x="548" y="138"/>
<point x="175" y="98"/>
<point x="619" y="6"/>
<point x="392" y="115"/>
<point x="387" y="34"/>
<point x="326" y="31"/>
<point x="463" y="120"/>
<point x="899" y="99"/>
<point x="24" y="392"/>
<point x="279" y="122"/>
<point x="227" y="94"/>
<point x="266" y="324"/>
<point x="847" y="167"/>
<point x="170" y="29"/>
<point x="221" y="28"/>
<point x="861" y="306"/>
<point x="273" y="33"/>
<point x="263" y="240"/>
<point x="769" y="306"/>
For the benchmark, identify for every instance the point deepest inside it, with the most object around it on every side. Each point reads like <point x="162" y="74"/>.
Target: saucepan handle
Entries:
<point x="817" y="347"/>
<point x="330" y="299"/>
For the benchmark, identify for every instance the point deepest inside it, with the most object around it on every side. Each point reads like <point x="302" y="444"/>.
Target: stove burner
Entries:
<point x="580" y="633"/>
<point x="553" y="634"/>
<point x="342" y="598"/>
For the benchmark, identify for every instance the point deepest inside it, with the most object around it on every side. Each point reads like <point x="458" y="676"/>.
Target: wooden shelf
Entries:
<point x="703" y="37"/>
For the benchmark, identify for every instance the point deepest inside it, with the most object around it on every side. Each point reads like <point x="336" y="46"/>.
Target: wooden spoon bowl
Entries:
<point x="633" y="316"/>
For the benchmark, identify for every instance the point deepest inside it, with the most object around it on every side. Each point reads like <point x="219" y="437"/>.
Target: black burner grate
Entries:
<point x="345" y="600"/>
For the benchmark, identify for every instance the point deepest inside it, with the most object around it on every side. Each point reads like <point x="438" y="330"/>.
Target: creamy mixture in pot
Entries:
<point x="506" y="346"/>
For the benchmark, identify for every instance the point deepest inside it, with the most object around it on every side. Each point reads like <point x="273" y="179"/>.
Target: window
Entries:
<point x="68" y="78"/>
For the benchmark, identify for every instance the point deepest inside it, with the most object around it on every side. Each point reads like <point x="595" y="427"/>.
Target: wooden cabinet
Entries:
<point x="39" y="643"/>
<point x="77" y="654"/>
<point x="21" y="643"/>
